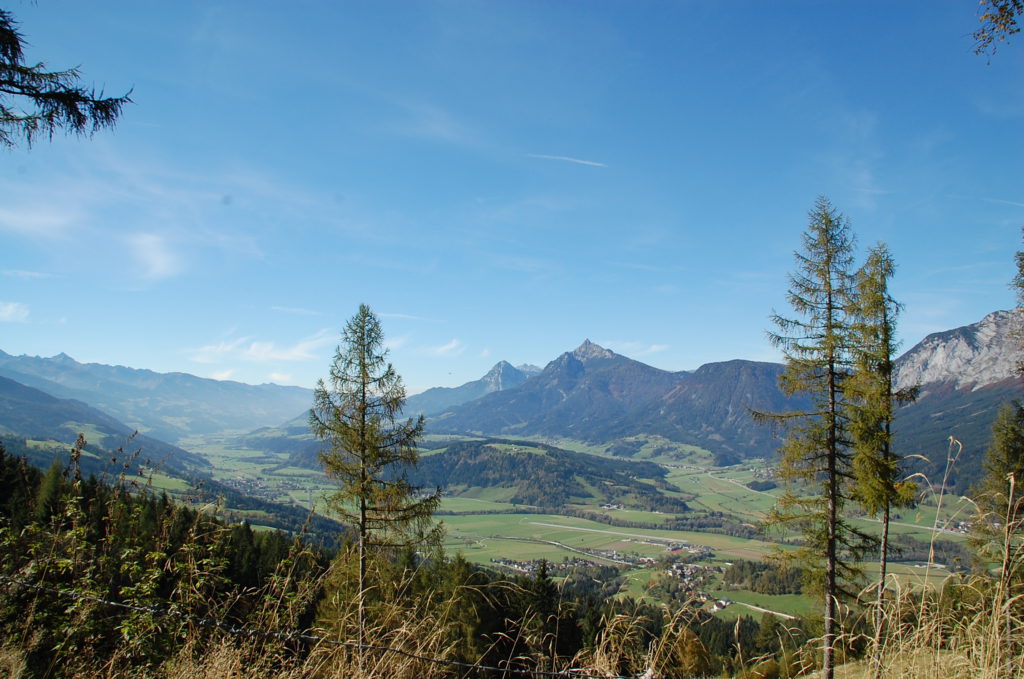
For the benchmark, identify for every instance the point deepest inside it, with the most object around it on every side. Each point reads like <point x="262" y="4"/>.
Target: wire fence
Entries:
<point x="575" y="673"/>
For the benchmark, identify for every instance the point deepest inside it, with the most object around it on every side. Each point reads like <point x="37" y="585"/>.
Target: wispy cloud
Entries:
<point x="222" y="374"/>
<point x="638" y="266"/>
<point x="39" y="220"/>
<point x="154" y="256"/>
<point x="17" y="273"/>
<point x="248" y="349"/>
<point x="533" y="265"/>
<point x="280" y="378"/>
<point x="211" y="353"/>
<point x="1003" y="202"/>
<point x="453" y="348"/>
<point x="13" y="312"/>
<point x="429" y="121"/>
<point x="407" y="317"/>
<point x="567" y="159"/>
<point x="303" y="350"/>
<point x="297" y="311"/>
<point x="423" y="266"/>
<point x="395" y="343"/>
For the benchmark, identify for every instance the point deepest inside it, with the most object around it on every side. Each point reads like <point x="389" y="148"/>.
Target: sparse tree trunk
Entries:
<point x="883" y="563"/>
<point x="828" y="660"/>
<point x="361" y="602"/>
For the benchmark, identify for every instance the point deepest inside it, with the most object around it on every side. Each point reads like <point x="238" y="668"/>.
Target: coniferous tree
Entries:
<point x="998" y="528"/>
<point x="367" y="448"/>
<point x="1018" y="287"/>
<point x="999" y="497"/>
<point x="48" y="497"/>
<point x="817" y="450"/>
<point x="879" y="484"/>
<point x="34" y="100"/>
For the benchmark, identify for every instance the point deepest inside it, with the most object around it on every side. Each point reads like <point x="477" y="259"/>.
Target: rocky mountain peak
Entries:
<point x="499" y="367"/>
<point x="973" y="356"/>
<point x="529" y="369"/>
<point x="588" y="350"/>
<point x="502" y="376"/>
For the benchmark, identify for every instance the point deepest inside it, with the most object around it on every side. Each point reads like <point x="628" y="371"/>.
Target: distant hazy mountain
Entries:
<point x="964" y="376"/>
<point x="596" y="395"/>
<point x="438" y="399"/>
<point x="27" y="412"/>
<point x="168" y="406"/>
<point x="591" y="394"/>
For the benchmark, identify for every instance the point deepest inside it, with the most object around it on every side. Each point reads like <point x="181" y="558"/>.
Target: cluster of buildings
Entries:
<point x="258" y="488"/>
<point x="531" y="566"/>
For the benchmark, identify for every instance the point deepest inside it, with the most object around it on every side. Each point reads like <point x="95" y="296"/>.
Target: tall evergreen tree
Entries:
<point x="876" y="467"/>
<point x="817" y="344"/>
<point x="367" y="448"/>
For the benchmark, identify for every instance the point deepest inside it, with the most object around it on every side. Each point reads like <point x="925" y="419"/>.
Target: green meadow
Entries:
<point x="481" y="523"/>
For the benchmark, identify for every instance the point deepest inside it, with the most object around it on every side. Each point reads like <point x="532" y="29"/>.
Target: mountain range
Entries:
<point x="590" y="394"/>
<point x="964" y="376"/>
<point x="26" y="411"/>
<point x="595" y="395"/>
<point x="167" y="406"/>
<point x="499" y="378"/>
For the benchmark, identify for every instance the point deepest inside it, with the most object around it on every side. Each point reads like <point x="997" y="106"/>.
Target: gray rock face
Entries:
<point x="502" y="376"/>
<point x="974" y="356"/>
<point x="589" y="350"/>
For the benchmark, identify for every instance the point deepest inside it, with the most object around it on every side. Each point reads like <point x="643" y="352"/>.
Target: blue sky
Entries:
<point x="498" y="180"/>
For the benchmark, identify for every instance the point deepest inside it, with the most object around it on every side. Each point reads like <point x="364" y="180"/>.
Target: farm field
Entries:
<point x="553" y="537"/>
<point x="723" y="491"/>
<point x="481" y="523"/>
<point x="262" y="474"/>
<point x="755" y="605"/>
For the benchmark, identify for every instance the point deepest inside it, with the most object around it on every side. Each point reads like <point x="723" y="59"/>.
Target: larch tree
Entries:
<point x="816" y="452"/>
<point x="368" y="448"/>
<point x="1000" y="20"/>
<point x="35" y="100"/>
<point x="1018" y="286"/>
<point x="879" y="484"/>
